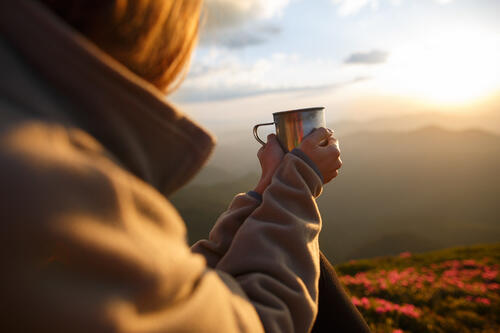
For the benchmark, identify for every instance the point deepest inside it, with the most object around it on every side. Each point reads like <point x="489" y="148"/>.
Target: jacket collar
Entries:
<point x="126" y="114"/>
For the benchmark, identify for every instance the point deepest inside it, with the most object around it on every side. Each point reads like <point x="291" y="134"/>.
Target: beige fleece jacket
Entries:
<point x="89" y="153"/>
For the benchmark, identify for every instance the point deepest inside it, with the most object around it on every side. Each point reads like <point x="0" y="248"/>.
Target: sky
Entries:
<point x="361" y="59"/>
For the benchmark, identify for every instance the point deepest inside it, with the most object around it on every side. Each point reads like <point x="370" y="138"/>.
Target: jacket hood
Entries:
<point x="129" y="116"/>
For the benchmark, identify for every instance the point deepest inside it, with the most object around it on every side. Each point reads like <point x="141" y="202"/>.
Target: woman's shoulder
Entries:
<point x="49" y="169"/>
<point x="40" y="160"/>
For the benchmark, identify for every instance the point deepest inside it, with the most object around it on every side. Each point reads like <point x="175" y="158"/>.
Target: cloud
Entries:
<point x="220" y="75"/>
<point x="240" y="23"/>
<point x="244" y="37"/>
<point x="222" y="14"/>
<point x="351" y="7"/>
<point x="367" y="58"/>
<point x="194" y="95"/>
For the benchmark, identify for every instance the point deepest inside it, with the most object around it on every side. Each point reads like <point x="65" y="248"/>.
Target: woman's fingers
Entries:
<point x="323" y="149"/>
<point x="319" y="137"/>
<point x="332" y="142"/>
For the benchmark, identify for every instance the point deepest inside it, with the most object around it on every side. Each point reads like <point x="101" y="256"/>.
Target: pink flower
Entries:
<point x="482" y="300"/>
<point x="489" y="274"/>
<point x="493" y="286"/>
<point x="382" y="283"/>
<point x="405" y="255"/>
<point x="365" y="302"/>
<point x="409" y="310"/>
<point x="469" y="262"/>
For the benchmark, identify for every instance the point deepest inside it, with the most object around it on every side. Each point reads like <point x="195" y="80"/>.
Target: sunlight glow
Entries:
<point x="447" y="67"/>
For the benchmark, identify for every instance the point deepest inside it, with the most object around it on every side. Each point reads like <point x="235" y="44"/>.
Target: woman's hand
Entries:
<point x="270" y="156"/>
<point x="322" y="148"/>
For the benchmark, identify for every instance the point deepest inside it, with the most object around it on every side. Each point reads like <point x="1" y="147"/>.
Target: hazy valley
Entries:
<point x="416" y="190"/>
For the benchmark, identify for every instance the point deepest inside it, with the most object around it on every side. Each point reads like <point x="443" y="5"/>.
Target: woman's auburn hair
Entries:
<point x="153" y="38"/>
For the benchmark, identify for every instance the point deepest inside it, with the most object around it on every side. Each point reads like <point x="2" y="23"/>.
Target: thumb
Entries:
<point x="273" y="143"/>
<point x="271" y="138"/>
<point x="318" y="135"/>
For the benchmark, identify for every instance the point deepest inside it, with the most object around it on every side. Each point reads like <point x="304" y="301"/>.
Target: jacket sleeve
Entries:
<point x="226" y="226"/>
<point x="87" y="247"/>
<point x="274" y="255"/>
<point x="228" y="223"/>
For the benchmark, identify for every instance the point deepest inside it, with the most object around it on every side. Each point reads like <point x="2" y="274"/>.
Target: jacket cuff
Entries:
<point x="299" y="153"/>
<point x="255" y="195"/>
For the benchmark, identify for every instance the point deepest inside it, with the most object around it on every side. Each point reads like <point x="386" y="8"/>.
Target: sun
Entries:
<point x="447" y="67"/>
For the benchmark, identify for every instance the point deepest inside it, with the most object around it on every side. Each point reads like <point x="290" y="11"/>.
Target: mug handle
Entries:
<point x="256" y="135"/>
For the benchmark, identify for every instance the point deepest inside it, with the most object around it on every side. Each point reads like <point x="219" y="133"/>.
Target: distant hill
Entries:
<point x="236" y="149"/>
<point x="201" y="205"/>
<point x="485" y="120"/>
<point x="438" y="185"/>
<point x="212" y="175"/>
<point x="421" y="190"/>
<point x="392" y="244"/>
<point x="452" y="290"/>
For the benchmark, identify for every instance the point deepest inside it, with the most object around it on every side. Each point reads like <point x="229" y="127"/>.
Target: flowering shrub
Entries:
<point x="454" y="290"/>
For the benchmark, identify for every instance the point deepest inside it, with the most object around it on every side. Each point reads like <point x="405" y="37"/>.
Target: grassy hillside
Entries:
<point x="454" y="290"/>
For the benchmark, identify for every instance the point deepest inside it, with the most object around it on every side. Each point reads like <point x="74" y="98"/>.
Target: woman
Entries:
<point x="89" y="151"/>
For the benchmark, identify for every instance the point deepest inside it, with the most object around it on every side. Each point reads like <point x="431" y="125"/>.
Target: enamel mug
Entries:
<point x="293" y="125"/>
